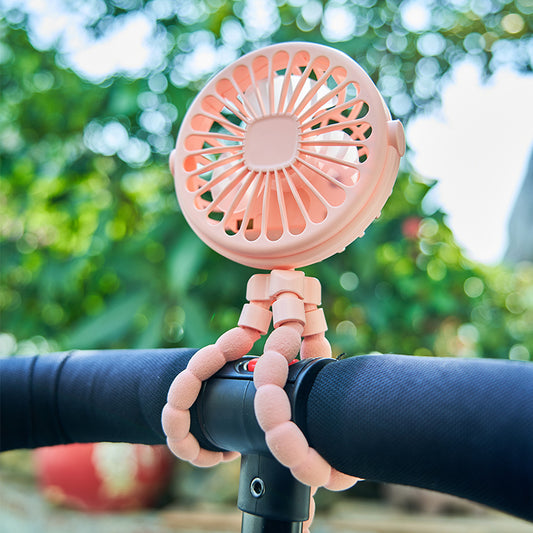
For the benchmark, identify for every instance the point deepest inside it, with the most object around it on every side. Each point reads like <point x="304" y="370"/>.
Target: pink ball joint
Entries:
<point x="283" y="159"/>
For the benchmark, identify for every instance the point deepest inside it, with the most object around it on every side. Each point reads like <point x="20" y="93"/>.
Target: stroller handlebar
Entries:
<point x="460" y="426"/>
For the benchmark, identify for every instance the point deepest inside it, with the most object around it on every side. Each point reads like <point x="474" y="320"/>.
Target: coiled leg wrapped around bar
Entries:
<point x="299" y="329"/>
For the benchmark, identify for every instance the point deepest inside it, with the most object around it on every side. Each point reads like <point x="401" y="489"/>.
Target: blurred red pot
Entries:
<point x="104" y="476"/>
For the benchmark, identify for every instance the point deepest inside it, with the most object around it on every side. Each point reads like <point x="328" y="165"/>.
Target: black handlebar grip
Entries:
<point x="86" y="396"/>
<point x="460" y="426"/>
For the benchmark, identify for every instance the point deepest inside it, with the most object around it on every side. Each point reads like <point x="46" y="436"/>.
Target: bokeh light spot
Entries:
<point x="346" y="327"/>
<point x="513" y="23"/>
<point x="349" y="281"/>
<point x="519" y="352"/>
<point x="473" y="287"/>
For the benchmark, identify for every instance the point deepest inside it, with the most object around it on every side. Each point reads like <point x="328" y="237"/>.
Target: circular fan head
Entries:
<point x="286" y="156"/>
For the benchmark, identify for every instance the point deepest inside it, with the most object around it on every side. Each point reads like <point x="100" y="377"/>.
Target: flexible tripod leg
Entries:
<point x="294" y="300"/>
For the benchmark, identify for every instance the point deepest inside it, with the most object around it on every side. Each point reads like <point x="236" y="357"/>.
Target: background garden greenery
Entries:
<point x="94" y="250"/>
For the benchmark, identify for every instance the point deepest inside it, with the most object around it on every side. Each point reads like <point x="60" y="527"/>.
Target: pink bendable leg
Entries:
<point x="271" y="367"/>
<point x="185" y="388"/>
<point x="237" y="342"/>
<point x="210" y="361"/>
<point x="207" y="458"/>
<point x="312" y="470"/>
<point x="176" y="421"/>
<point x="312" y="507"/>
<point x="339" y="481"/>
<point x="314" y="343"/>
<point x="286" y="340"/>
<point x="287" y="443"/>
<point x="187" y="449"/>
<point x="272" y="408"/>
<point x="315" y="346"/>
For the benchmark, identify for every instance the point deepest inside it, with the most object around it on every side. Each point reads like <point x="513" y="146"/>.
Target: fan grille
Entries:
<point x="275" y="144"/>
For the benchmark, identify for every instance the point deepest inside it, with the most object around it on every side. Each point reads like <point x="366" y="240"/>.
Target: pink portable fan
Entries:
<point x="286" y="156"/>
<point x="283" y="159"/>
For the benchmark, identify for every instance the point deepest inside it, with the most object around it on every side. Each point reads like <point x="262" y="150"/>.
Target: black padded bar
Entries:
<point x="460" y="426"/>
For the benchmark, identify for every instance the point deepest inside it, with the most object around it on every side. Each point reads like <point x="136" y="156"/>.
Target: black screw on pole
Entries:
<point x="257" y="487"/>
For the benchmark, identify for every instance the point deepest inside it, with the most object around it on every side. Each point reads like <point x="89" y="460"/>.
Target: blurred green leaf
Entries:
<point x="151" y="335"/>
<point x="185" y="260"/>
<point x="114" y="322"/>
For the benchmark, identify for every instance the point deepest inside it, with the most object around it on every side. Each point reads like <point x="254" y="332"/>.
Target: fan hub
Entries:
<point x="271" y="143"/>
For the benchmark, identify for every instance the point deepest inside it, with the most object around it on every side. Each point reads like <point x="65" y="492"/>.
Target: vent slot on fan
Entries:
<point x="276" y="145"/>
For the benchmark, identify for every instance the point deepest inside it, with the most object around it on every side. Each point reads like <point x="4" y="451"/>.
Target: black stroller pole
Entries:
<point x="270" y="499"/>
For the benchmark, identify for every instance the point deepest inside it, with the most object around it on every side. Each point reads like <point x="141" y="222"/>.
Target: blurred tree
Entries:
<point x="94" y="251"/>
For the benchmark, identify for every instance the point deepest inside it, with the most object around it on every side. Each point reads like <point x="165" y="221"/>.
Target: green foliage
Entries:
<point x="407" y="287"/>
<point x="94" y="251"/>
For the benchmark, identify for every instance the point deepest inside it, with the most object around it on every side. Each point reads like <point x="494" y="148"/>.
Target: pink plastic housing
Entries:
<point x="286" y="156"/>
